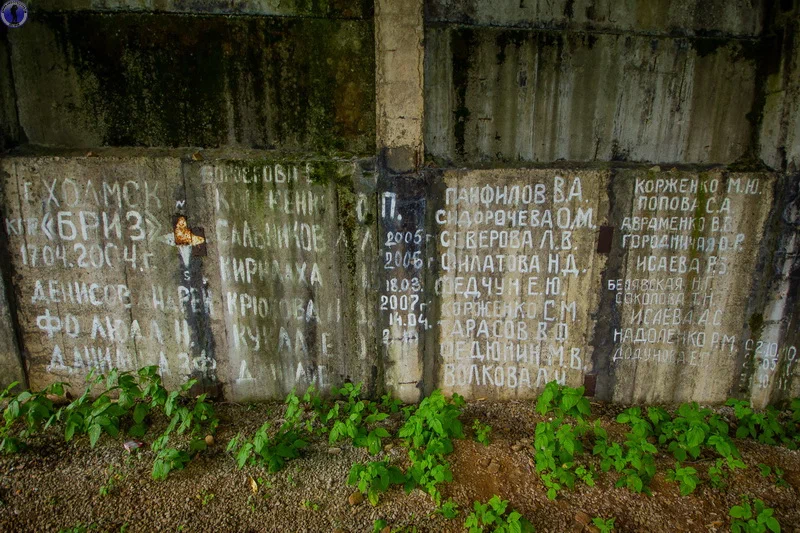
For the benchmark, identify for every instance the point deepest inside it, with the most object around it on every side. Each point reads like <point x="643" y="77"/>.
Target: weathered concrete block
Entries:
<point x="517" y="279"/>
<point x="399" y="83"/>
<point x="89" y="79"/>
<point x="9" y="125"/>
<point x="252" y="275"/>
<point x="11" y="367"/>
<point x="646" y="286"/>
<point x="322" y="9"/>
<point x="677" y="321"/>
<point x="405" y="297"/>
<point x="742" y="18"/>
<point x="258" y="274"/>
<point x="296" y="272"/>
<point x="499" y="95"/>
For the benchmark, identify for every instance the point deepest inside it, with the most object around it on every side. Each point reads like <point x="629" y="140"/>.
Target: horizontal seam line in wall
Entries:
<point x="608" y="165"/>
<point x="595" y="31"/>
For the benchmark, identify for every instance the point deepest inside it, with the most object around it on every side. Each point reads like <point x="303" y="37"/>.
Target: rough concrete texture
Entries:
<point x="9" y="125"/>
<point x="517" y="278"/>
<point x="686" y="249"/>
<point x="259" y="274"/>
<point x="399" y="82"/>
<point x="641" y="284"/>
<point x="11" y="368"/>
<point x="246" y="274"/>
<point x="779" y="135"/>
<point x="655" y="17"/>
<point x="89" y="79"/>
<point x="260" y="271"/>
<point x="779" y="323"/>
<point x="323" y="8"/>
<point x="405" y="299"/>
<point x="516" y="95"/>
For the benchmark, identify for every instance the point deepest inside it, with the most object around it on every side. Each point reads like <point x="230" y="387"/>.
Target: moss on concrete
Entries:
<point x="327" y="171"/>
<point x="179" y="80"/>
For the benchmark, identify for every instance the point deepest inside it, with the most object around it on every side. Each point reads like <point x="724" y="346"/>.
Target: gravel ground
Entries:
<point x="54" y="485"/>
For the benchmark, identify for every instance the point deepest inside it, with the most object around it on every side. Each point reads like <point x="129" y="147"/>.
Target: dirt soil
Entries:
<point x="53" y="485"/>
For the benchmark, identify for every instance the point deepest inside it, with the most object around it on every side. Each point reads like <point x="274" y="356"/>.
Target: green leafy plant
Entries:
<point x="26" y="414"/>
<point x="557" y="445"/>
<point x="690" y="434"/>
<point x="776" y="473"/>
<point x="493" y="516"/>
<point x="765" y="427"/>
<point x="604" y="525"/>
<point x="355" y="419"/>
<point x="557" y="442"/>
<point x="481" y="432"/>
<point x="635" y="459"/>
<point x="435" y="417"/>
<point x="85" y="416"/>
<point x="563" y="401"/>
<point x="378" y="526"/>
<point x="310" y="505"/>
<point x="390" y="404"/>
<point x="110" y="402"/>
<point x="448" y="509"/>
<point x="718" y="472"/>
<point x="428" y="433"/>
<point x="429" y="469"/>
<point x="205" y="497"/>
<point x="167" y="460"/>
<point x="752" y="516"/>
<point x="273" y="449"/>
<point x="686" y="476"/>
<point x="197" y="420"/>
<point x="691" y="430"/>
<point x="375" y="478"/>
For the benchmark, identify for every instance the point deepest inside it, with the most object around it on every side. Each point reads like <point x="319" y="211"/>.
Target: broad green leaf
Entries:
<point x="140" y="412"/>
<point x="94" y="434"/>
<point x="773" y="525"/>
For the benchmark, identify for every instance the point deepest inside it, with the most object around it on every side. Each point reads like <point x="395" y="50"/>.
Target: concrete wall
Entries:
<point x="133" y="79"/>
<point x="516" y="96"/>
<point x="248" y="274"/>
<point x="476" y="196"/>
<point x="644" y="285"/>
<point x="11" y="367"/>
<point x="741" y="18"/>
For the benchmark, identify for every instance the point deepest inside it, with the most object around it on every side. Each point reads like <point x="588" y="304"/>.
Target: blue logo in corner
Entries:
<point x="14" y="13"/>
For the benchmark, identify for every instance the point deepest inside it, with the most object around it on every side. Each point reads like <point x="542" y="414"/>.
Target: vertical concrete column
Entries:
<point x="399" y="55"/>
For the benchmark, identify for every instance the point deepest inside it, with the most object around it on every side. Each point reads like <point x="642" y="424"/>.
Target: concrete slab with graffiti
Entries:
<point x="249" y="275"/>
